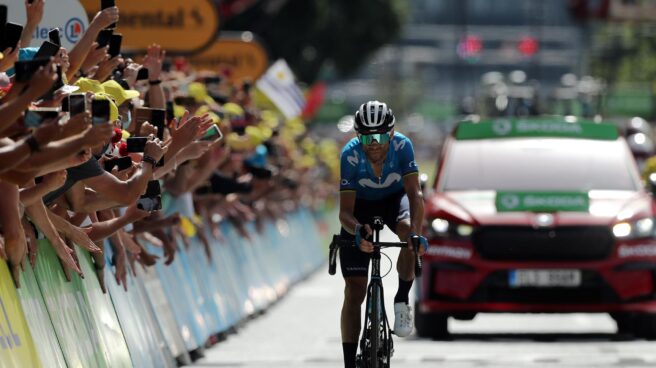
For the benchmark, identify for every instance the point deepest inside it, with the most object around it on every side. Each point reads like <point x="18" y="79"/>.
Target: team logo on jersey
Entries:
<point x="353" y="160"/>
<point x="345" y="182"/>
<point x="399" y="145"/>
<point x="391" y="179"/>
<point x="412" y="164"/>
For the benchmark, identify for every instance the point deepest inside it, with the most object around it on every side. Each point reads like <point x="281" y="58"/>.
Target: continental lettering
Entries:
<point x="180" y="18"/>
<point x="237" y="60"/>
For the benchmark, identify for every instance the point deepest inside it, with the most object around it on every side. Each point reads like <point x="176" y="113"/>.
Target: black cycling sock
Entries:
<point x="350" y="349"/>
<point x="404" y="289"/>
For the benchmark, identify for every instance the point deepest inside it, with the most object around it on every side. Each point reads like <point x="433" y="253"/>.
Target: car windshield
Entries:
<point x="540" y="164"/>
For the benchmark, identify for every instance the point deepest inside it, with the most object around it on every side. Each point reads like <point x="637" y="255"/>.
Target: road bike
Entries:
<point x="376" y="345"/>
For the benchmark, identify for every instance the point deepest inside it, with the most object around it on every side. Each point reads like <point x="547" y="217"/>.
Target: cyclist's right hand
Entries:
<point x="361" y="234"/>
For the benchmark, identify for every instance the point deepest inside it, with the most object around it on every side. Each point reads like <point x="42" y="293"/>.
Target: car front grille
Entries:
<point x="525" y="243"/>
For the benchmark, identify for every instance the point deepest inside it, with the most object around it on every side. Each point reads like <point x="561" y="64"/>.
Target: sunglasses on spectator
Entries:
<point x="381" y="138"/>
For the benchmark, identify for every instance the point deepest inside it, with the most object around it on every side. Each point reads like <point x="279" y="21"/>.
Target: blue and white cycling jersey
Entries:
<point x="357" y="174"/>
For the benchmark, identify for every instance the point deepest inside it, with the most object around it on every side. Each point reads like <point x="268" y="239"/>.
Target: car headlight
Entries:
<point x="643" y="228"/>
<point x="441" y="228"/>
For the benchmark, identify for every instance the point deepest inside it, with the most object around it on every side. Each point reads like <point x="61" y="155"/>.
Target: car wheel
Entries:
<point x="646" y="326"/>
<point x="431" y="325"/>
<point x="625" y="323"/>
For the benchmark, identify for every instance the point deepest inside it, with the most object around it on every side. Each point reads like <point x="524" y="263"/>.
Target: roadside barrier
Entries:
<point x="168" y="311"/>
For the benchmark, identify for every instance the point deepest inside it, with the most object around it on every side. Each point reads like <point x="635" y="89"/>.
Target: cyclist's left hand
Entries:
<point x="423" y="243"/>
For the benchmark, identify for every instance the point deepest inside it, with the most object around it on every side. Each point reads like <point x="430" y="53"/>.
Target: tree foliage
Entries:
<point x="315" y="34"/>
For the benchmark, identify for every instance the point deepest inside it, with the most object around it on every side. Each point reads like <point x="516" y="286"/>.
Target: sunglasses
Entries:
<point x="381" y="138"/>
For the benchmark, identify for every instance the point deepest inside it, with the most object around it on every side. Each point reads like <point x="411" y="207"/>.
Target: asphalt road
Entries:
<point x="302" y="330"/>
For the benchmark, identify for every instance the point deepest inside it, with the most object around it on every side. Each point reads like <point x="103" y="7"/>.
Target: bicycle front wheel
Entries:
<point x="376" y="321"/>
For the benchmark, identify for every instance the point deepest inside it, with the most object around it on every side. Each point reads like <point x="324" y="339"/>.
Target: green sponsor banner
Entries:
<point x="16" y="345"/>
<point x="83" y="317"/>
<point x="542" y="201"/>
<point x="515" y="128"/>
<point x="38" y="320"/>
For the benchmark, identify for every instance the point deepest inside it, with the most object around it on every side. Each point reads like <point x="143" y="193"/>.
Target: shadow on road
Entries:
<point x="538" y="337"/>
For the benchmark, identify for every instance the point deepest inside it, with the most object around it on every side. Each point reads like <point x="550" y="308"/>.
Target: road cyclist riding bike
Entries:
<point x="376" y="345"/>
<point x="379" y="177"/>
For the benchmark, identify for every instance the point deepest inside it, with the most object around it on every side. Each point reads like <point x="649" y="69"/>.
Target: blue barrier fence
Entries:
<point x="167" y="311"/>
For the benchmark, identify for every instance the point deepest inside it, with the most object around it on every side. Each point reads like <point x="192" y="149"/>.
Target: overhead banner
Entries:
<point x="67" y="15"/>
<point x="16" y="346"/>
<point x="178" y="26"/>
<point x="242" y="54"/>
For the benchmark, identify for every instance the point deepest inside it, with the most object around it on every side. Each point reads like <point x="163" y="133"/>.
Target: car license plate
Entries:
<point x="544" y="278"/>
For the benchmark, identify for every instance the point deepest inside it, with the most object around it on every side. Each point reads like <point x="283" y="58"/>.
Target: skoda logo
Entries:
<point x="510" y="201"/>
<point x="502" y="127"/>
<point x="74" y="30"/>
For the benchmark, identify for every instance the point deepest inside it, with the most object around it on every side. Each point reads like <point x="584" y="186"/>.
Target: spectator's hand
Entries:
<point x="153" y="61"/>
<point x="155" y="148"/>
<point x="189" y="129"/>
<point x="42" y="81"/>
<point x="80" y="237"/>
<point x="193" y="151"/>
<point x="55" y="179"/>
<point x="105" y="18"/>
<point x="106" y="67"/>
<point x="76" y="124"/>
<point x="98" y="135"/>
<point x="169" y="251"/>
<point x="121" y="273"/>
<point x="147" y="259"/>
<point x="47" y="132"/>
<point x="56" y="101"/>
<point x="147" y="129"/>
<point x="34" y="11"/>
<point x="133" y="213"/>
<point x="11" y="56"/>
<point x="131" y="72"/>
<point x="94" y="57"/>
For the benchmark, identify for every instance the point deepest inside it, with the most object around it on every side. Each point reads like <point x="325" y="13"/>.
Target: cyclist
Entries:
<point x="379" y="177"/>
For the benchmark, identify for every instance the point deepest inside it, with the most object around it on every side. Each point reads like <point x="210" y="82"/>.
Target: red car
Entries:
<point x="539" y="215"/>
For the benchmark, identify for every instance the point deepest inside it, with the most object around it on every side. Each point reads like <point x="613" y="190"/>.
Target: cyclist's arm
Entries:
<point x="346" y="207"/>
<point x="416" y="199"/>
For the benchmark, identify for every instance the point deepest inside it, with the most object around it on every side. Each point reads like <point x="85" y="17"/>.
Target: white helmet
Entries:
<point x="374" y="116"/>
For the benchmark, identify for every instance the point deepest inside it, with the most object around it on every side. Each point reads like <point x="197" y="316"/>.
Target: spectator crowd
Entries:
<point x="139" y="149"/>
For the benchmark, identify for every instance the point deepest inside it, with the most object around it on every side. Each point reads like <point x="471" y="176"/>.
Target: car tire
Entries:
<point x="431" y="325"/>
<point x="645" y="326"/>
<point x="626" y="323"/>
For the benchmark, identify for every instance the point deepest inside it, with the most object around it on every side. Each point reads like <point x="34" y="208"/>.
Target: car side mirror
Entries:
<point x="651" y="182"/>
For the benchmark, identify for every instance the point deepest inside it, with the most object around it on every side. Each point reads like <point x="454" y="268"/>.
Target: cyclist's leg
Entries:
<point x="355" y="269"/>
<point x="405" y="267"/>
<point x="399" y="217"/>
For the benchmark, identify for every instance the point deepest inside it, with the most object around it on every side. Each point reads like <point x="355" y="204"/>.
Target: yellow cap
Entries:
<point x="232" y="108"/>
<point x="239" y="143"/>
<point x="117" y="93"/>
<point x="199" y="92"/>
<point x="89" y="85"/>
<point x="113" y="110"/>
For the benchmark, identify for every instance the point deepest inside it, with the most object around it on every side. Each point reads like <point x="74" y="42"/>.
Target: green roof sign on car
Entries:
<point x="507" y="201"/>
<point x="513" y="128"/>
